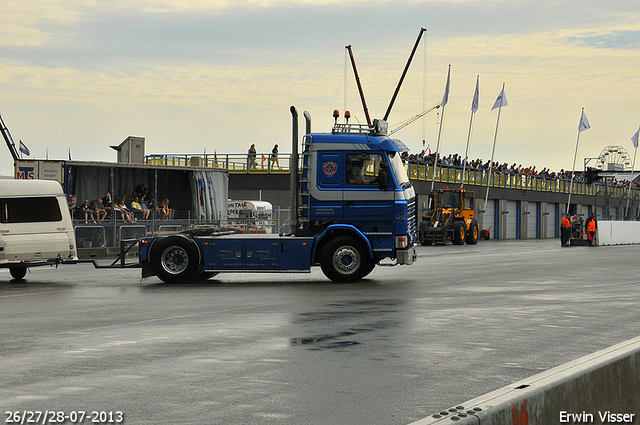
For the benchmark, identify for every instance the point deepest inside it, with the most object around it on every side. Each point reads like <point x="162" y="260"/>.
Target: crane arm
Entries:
<point x="417" y="117"/>
<point x="7" y="138"/>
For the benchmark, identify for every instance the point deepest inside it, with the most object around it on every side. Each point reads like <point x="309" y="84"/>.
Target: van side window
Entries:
<point x="29" y="210"/>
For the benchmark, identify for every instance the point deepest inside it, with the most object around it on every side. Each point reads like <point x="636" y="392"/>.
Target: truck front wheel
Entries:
<point x="175" y="259"/>
<point x="344" y="260"/>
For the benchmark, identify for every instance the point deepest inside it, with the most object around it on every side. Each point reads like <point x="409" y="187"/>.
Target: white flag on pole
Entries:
<point x="476" y="95"/>
<point x="445" y="98"/>
<point x="584" y="123"/>
<point x="500" y="101"/>
<point x="634" y="139"/>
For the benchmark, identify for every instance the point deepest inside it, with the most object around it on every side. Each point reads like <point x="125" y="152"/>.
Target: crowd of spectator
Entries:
<point x="128" y="209"/>
<point x="457" y="161"/>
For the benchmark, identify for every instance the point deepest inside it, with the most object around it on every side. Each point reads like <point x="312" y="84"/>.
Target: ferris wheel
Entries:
<point x="614" y="158"/>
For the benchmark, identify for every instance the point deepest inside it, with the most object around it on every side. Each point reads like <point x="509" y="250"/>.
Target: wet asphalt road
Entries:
<point x="297" y="349"/>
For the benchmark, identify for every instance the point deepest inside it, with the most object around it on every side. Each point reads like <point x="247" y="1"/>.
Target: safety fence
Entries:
<point x="233" y="163"/>
<point x="243" y="164"/>
<point x="454" y="175"/>
<point x="109" y="233"/>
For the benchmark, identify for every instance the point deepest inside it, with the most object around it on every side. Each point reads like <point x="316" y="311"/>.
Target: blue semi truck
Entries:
<point x="352" y="206"/>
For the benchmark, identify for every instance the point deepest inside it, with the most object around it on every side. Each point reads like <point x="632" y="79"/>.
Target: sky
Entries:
<point x="195" y="76"/>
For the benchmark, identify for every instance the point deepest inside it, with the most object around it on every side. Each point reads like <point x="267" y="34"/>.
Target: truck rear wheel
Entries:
<point x="344" y="260"/>
<point x="18" y="273"/>
<point x="175" y="259"/>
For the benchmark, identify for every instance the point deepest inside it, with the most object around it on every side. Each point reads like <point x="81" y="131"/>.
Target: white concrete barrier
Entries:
<point x="600" y="388"/>
<point x="618" y="233"/>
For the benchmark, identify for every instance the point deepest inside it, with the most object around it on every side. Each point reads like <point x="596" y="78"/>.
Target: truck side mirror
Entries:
<point x="383" y="179"/>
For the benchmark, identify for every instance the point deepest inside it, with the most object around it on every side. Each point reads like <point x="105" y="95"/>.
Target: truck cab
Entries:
<point x="354" y="186"/>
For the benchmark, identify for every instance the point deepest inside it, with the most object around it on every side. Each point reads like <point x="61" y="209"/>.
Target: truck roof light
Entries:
<point x="336" y="114"/>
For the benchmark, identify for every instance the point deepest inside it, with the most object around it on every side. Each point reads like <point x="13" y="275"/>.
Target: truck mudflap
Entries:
<point x="408" y="255"/>
<point x="147" y="269"/>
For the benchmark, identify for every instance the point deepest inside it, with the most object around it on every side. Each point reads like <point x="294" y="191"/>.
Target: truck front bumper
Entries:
<point x="408" y="255"/>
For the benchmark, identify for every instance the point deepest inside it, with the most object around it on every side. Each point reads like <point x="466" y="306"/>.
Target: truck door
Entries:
<point x="328" y="187"/>
<point x="366" y="205"/>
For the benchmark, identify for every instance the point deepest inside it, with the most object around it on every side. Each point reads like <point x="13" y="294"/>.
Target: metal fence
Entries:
<point x="242" y="164"/>
<point x="110" y="233"/>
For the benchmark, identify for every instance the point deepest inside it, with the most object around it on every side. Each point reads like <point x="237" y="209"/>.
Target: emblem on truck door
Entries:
<point x="330" y="168"/>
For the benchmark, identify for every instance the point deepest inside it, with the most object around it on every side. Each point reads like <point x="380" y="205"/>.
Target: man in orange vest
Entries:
<point x="591" y="226"/>
<point x="565" y="232"/>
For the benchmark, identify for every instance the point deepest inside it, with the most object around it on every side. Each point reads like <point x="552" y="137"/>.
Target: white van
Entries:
<point x="35" y="225"/>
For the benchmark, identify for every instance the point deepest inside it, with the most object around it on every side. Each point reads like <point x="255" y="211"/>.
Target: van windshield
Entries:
<point x="398" y="170"/>
<point x="29" y="210"/>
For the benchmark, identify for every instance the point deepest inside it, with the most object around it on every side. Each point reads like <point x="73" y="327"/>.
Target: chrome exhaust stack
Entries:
<point x="293" y="172"/>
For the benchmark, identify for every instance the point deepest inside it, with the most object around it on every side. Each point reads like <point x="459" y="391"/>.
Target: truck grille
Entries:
<point x="412" y="221"/>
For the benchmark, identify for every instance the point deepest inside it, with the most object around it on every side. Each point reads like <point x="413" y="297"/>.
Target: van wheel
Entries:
<point x="344" y="260"/>
<point x="175" y="259"/>
<point x="18" y="273"/>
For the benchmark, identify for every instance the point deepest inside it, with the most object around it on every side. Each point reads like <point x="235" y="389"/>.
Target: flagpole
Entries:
<point x="495" y="136"/>
<point x="633" y="165"/>
<point x="474" y="107"/>
<point x="575" y="155"/>
<point x="435" y="155"/>
<point x="445" y="99"/>
<point x="466" y="151"/>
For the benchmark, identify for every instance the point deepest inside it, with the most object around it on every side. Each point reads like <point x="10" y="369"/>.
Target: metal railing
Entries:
<point x="243" y="164"/>
<point x="453" y="175"/>
<point x="233" y="163"/>
<point x="111" y="232"/>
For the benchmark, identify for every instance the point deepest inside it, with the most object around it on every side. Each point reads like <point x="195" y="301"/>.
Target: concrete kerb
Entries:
<point x="595" y="386"/>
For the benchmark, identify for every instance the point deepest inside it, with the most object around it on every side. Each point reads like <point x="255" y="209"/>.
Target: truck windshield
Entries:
<point x="398" y="170"/>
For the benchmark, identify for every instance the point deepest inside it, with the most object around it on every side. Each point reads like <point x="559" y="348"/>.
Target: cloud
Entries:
<point x="619" y="40"/>
<point x="199" y="71"/>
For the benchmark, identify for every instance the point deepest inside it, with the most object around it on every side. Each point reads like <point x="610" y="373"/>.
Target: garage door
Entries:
<point x="552" y="223"/>
<point x="511" y="214"/>
<point x="489" y="219"/>
<point x="532" y="223"/>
